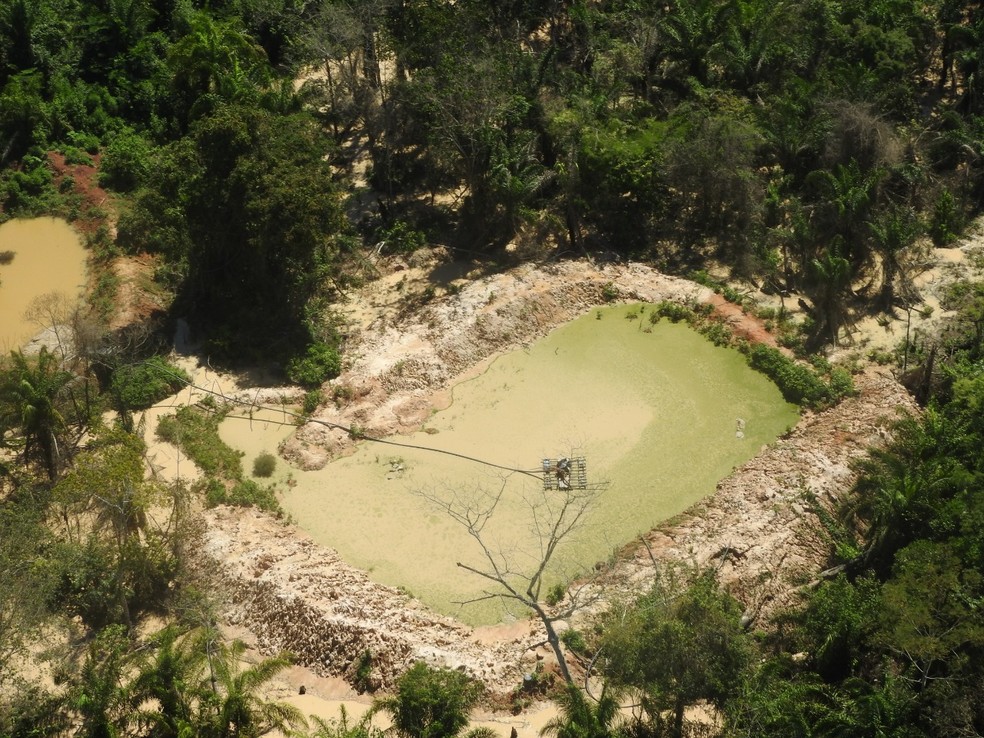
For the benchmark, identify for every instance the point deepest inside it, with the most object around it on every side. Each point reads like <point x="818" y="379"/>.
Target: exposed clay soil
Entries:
<point x="95" y="201"/>
<point x="758" y="528"/>
<point x="137" y="299"/>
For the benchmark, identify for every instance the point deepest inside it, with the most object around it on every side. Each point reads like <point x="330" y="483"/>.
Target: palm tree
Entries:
<point x="697" y="35"/>
<point x="215" y="60"/>
<point x="342" y="729"/>
<point x="893" y="232"/>
<point x="170" y="677"/>
<point x="431" y="703"/>
<point x="832" y="283"/>
<point x="234" y="708"/>
<point x="31" y="396"/>
<point x="99" y="696"/>
<point x="901" y="488"/>
<point x="581" y="718"/>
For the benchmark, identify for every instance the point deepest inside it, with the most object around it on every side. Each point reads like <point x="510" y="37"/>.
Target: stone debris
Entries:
<point x="296" y="596"/>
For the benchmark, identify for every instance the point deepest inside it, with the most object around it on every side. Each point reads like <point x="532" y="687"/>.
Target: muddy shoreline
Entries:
<point x="758" y="528"/>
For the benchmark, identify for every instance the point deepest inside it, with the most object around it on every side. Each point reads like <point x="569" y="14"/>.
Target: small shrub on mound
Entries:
<point x="264" y="465"/>
<point x="312" y="400"/>
<point x="319" y="363"/>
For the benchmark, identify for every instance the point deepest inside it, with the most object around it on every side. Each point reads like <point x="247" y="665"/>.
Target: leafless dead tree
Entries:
<point x="516" y="575"/>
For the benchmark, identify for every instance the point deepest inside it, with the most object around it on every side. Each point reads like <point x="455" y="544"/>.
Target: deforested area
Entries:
<point x="248" y="248"/>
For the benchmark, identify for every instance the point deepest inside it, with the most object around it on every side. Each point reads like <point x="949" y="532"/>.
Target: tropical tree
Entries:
<point x="34" y="400"/>
<point x="477" y="110"/>
<point x="831" y="282"/>
<point x="216" y="61"/>
<point x="902" y="489"/>
<point x="169" y="677"/>
<point x="696" y="36"/>
<point x="555" y="516"/>
<point x="341" y="728"/>
<point x="894" y="231"/>
<point x="98" y="696"/>
<point x="847" y="194"/>
<point x="581" y="717"/>
<point x="928" y="615"/>
<point x="675" y="648"/>
<point x="778" y="700"/>
<point x="104" y="500"/>
<point x="234" y="707"/>
<point x="430" y="703"/>
<point x="837" y="625"/>
<point x="248" y="208"/>
<point x="23" y="591"/>
<point x="861" y="708"/>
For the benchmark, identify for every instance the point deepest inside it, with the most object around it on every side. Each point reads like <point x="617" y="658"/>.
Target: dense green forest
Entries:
<point x="261" y="148"/>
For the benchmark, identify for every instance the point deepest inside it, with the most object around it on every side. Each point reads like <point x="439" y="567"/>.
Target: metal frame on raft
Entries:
<point x="565" y="473"/>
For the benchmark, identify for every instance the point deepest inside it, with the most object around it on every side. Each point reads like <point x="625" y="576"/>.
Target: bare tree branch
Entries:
<point x="555" y="515"/>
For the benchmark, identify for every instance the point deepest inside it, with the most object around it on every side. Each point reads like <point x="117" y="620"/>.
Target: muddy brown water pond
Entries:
<point x="48" y="257"/>
<point x="653" y="408"/>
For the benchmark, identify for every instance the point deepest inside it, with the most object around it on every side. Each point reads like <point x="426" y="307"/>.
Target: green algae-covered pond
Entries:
<point x="653" y="408"/>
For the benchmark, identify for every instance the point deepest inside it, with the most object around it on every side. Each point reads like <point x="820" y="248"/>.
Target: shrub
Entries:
<point x="555" y="594"/>
<point x="717" y="333"/>
<point x="246" y="493"/>
<point x="363" y="673"/>
<point x="574" y="641"/>
<point x="264" y="465"/>
<point x="196" y="432"/>
<point x="946" y="220"/>
<point x="312" y="400"/>
<point x="431" y="702"/>
<point x="800" y="384"/>
<point x="126" y="162"/>
<point x="797" y="383"/>
<point x="319" y="363"/>
<point x="243" y="493"/>
<point x="75" y="155"/>
<point x="28" y="191"/>
<point x="138" y="386"/>
<point x="85" y="141"/>
<point x="732" y="295"/>
<point x="672" y="310"/>
<point x="402" y="238"/>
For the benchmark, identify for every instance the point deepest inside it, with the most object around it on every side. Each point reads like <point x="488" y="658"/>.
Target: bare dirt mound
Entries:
<point x="758" y="528"/>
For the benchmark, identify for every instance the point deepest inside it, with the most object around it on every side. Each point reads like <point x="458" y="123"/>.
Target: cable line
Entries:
<point x="354" y="433"/>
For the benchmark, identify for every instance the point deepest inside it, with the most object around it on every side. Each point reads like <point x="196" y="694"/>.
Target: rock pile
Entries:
<point x="296" y="596"/>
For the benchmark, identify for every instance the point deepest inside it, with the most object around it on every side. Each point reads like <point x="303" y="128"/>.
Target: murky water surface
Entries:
<point x="653" y="409"/>
<point x="48" y="257"/>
